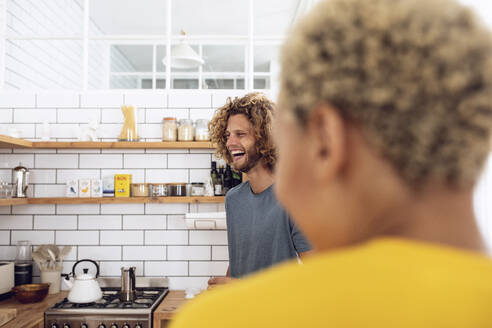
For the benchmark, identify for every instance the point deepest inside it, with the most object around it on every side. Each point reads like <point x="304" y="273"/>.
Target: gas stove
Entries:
<point x="108" y="312"/>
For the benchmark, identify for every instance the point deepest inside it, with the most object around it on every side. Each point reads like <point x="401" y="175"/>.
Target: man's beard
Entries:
<point x="253" y="157"/>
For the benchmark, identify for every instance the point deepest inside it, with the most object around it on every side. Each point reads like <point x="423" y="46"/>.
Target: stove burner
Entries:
<point x="145" y="298"/>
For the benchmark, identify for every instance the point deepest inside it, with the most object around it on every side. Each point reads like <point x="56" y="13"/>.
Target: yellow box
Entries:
<point x="122" y="183"/>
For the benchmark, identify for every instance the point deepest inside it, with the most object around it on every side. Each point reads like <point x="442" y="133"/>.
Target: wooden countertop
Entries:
<point x="30" y="314"/>
<point x="168" y="307"/>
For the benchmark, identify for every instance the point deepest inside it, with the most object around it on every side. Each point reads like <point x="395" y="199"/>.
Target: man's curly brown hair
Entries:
<point x="414" y="75"/>
<point x="259" y="111"/>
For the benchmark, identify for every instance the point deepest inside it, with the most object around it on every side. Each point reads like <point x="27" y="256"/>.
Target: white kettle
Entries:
<point x="84" y="288"/>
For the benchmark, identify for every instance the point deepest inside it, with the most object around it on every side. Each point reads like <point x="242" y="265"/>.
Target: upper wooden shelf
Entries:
<point x="111" y="200"/>
<point x="9" y="142"/>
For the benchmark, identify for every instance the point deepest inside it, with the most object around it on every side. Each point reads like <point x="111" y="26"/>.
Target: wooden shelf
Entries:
<point x="111" y="200"/>
<point x="13" y="201"/>
<point x="9" y="142"/>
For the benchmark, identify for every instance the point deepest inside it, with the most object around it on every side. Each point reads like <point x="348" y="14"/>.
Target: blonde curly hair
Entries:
<point x="414" y="75"/>
<point x="259" y="111"/>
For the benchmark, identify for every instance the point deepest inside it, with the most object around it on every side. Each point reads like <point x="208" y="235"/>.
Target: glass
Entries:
<point x="23" y="263"/>
<point x="201" y="130"/>
<point x="266" y="58"/>
<point x="213" y="15"/>
<point x="274" y="17"/>
<point x="131" y="58"/>
<point x="214" y="58"/>
<point x="169" y="129"/>
<point x="129" y="129"/>
<point x="142" y="17"/>
<point x="185" y="130"/>
<point x="6" y="190"/>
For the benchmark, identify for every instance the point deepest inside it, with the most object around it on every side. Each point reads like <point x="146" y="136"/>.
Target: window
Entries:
<point x="122" y="44"/>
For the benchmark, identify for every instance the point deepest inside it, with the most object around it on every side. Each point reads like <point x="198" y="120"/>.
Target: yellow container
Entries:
<point x="122" y="184"/>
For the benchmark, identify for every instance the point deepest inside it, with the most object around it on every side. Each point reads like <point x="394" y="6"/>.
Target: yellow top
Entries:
<point x="382" y="283"/>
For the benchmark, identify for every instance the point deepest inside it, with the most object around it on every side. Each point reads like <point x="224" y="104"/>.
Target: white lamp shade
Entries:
<point x="183" y="56"/>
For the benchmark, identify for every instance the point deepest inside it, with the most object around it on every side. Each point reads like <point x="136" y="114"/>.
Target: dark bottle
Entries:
<point x="214" y="176"/>
<point x="219" y="186"/>
<point x="228" y="179"/>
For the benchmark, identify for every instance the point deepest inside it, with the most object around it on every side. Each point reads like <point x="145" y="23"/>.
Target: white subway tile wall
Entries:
<point x="152" y="237"/>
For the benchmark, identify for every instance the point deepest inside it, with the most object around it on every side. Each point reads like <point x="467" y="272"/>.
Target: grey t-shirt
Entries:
<point x="259" y="230"/>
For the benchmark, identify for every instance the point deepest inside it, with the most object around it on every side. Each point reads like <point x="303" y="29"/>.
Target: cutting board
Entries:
<point x="6" y="315"/>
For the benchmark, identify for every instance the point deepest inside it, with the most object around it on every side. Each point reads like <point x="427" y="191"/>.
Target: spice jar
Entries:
<point x="197" y="189"/>
<point x="201" y="130"/>
<point x="140" y="190"/>
<point x="159" y="190"/>
<point x="185" y="130"/>
<point x="169" y="129"/>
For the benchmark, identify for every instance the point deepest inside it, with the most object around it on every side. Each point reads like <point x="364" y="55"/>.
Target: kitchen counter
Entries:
<point x="30" y="315"/>
<point x="168" y="308"/>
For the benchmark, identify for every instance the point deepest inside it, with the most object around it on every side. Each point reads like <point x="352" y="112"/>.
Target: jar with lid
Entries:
<point x="169" y="129"/>
<point x="185" y="130"/>
<point x="201" y="130"/>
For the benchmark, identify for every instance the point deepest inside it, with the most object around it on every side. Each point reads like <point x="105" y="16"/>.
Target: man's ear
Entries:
<point x="329" y="138"/>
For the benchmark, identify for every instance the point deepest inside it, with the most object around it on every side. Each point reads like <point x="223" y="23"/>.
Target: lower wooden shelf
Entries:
<point x="111" y="200"/>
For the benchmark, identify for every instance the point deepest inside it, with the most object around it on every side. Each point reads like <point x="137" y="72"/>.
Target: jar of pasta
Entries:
<point x="201" y="130"/>
<point x="185" y="130"/>
<point x="169" y="129"/>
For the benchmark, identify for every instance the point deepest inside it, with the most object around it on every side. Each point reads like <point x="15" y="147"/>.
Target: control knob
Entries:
<point x="66" y="325"/>
<point x="114" y="325"/>
<point x="102" y="325"/>
<point x="54" y="325"/>
<point x="138" y="325"/>
<point x="125" y="326"/>
<point x="84" y="325"/>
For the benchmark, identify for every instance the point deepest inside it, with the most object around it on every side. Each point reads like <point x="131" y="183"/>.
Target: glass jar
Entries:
<point x="201" y="130"/>
<point x="23" y="263"/>
<point x="185" y="130"/>
<point x="140" y="190"/>
<point x="197" y="189"/>
<point x="159" y="190"/>
<point x="169" y="129"/>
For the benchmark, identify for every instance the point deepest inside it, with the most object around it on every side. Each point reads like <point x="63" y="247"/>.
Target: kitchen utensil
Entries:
<point x="53" y="259"/>
<point x="30" y="293"/>
<point x="52" y="277"/>
<point x="6" y="315"/>
<point x="64" y="252"/>
<point x="40" y="261"/>
<point x="128" y="291"/>
<point x="21" y="181"/>
<point x="6" y="277"/>
<point x="84" y="288"/>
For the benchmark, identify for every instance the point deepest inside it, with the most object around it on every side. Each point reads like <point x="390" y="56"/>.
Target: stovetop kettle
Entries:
<point x="84" y="288"/>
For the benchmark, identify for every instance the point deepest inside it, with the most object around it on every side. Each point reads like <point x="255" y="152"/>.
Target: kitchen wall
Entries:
<point x="152" y="237"/>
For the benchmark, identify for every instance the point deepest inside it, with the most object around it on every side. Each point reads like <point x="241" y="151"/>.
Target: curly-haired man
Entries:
<point x="384" y="124"/>
<point x="259" y="230"/>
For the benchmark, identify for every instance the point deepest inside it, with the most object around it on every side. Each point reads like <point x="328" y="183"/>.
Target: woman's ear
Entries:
<point x="328" y="132"/>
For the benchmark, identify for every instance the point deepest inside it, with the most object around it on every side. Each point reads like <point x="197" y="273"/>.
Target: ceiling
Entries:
<point x="198" y="17"/>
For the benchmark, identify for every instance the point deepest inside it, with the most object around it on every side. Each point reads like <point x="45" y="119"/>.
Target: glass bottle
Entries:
<point x="228" y="180"/>
<point x="23" y="263"/>
<point x="185" y="130"/>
